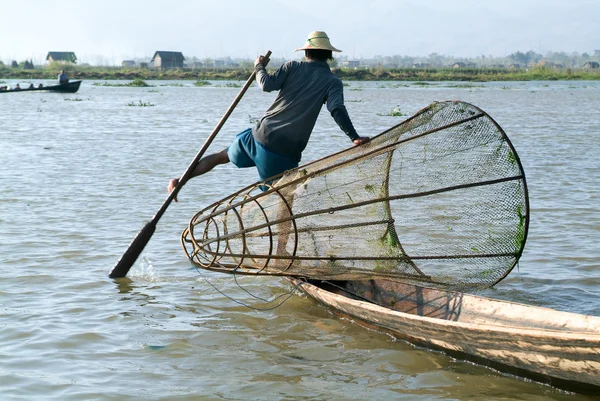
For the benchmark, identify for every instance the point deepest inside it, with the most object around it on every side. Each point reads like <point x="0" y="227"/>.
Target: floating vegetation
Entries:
<point x="172" y="84"/>
<point x="141" y="104"/>
<point x="465" y="86"/>
<point x="420" y="83"/>
<point x="354" y="101"/>
<point x="356" y="89"/>
<point x="201" y="83"/>
<point x="138" y="82"/>
<point x="153" y="91"/>
<point x="231" y="85"/>
<point x="76" y="99"/>
<point x="396" y="112"/>
<point x="253" y="120"/>
<point x="393" y="86"/>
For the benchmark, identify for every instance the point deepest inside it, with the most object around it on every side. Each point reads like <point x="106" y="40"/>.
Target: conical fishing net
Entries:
<point x="439" y="199"/>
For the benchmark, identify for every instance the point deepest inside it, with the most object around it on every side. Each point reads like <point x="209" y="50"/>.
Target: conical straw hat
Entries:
<point x="318" y="40"/>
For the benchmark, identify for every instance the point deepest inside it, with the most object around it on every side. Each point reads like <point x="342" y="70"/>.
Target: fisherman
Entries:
<point x="276" y="142"/>
<point x="62" y="78"/>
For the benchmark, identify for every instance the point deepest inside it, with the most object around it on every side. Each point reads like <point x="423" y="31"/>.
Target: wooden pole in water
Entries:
<point x="143" y="237"/>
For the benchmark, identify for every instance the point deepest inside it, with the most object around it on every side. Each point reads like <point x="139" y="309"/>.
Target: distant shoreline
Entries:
<point x="347" y="74"/>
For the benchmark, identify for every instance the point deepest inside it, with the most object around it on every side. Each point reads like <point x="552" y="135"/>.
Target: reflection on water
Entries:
<point x="82" y="173"/>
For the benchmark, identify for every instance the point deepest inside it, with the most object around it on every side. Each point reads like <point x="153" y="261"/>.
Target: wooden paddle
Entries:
<point x="141" y="239"/>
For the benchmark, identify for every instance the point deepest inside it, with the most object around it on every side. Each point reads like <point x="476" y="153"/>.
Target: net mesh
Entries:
<point x="440" y="198"/>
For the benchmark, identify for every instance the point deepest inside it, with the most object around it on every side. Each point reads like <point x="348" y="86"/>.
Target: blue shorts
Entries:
<point x="245" y="151"/>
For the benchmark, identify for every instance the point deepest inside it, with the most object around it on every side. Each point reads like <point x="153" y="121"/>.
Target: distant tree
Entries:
<point x="14" y="64"/>
<point x="533" y="57"/>
<point x="28" y="65"/>
<point x="435" y="60"/>
<point x="1" y="64"/>
<point x="519" y="58"/>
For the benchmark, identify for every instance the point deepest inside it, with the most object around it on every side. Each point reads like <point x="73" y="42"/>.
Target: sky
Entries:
<point x="105" y="32"/>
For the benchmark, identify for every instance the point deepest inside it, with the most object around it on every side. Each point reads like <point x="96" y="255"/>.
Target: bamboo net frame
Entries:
<point x="441" y="198"/>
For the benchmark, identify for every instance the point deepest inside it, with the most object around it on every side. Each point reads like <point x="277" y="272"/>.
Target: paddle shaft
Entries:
<point x="139" y="242"/>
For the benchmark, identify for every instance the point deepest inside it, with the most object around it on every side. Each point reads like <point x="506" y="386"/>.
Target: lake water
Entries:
<point x="82" y="173"/>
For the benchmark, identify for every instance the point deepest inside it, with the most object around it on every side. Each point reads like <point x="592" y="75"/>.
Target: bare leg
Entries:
<point x="209" y="162"/>
<point x="204" y="165"/>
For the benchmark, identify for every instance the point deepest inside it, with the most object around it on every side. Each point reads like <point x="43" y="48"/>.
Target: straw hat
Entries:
<point x="318" y="40"/>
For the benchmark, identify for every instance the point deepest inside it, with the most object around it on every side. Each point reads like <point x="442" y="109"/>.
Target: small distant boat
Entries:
<point x="70" y="87"/>
<point x="561" y="349"/>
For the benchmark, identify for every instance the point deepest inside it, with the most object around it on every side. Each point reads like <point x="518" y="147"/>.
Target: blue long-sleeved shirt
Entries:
<point x="303" y="89"/>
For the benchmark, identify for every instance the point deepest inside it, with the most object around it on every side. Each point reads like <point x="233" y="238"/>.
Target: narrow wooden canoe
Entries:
<point x="545" y="345"/>
<point x="70" y="87"/>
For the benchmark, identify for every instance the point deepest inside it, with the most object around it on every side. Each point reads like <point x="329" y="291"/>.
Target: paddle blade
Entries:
<point x="135" y="249"/>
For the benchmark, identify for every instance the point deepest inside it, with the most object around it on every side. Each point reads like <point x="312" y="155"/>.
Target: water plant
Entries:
<point x="396" y="112"/>
<point x="141" y="104"/>
<point x="138" y="82"/>
<point x="201" y="83"/>
<point x="466" y="86"/>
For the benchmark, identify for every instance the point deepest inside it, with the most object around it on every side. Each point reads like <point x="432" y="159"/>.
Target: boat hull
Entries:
<point x="557" y="348"/>
<point x="70" y="87"/>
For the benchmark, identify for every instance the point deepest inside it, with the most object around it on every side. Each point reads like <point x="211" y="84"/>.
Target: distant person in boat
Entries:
<point x="30" y="86"/>
<point x="276" y="142"/>
<point x="17" y="87"/>
<point x="62" y="78"/>
<point x="40" y="85"/>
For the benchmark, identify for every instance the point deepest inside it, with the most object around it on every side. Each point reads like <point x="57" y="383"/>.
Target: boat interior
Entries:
<point x="458" y="306"/>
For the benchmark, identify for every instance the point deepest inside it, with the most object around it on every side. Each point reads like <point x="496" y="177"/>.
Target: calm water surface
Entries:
<point x="82" y="173"/>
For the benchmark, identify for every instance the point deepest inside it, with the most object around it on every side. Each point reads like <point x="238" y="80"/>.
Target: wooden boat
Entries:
<point x="70" y="87"/>
<point x="557" y="348"/>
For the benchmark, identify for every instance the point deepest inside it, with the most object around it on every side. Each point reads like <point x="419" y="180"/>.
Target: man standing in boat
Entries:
<point x="62" y="78"/>
<point x="276" y="143"/>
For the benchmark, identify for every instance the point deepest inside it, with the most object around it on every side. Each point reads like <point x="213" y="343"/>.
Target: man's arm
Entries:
<point x="341" y="117"/>
<point x="335" y="105"/>
<point x="267" y="82"/>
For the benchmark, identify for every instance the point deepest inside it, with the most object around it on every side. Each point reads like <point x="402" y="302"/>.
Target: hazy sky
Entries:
<point x="108" y="31"/>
